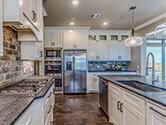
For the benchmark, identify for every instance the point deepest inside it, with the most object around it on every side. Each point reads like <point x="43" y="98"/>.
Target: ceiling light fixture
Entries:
<point x="71" y="23"/>
<point x="105" y="23"/>
<point x="160" y="31"/>
<point x="75" y="2"/>
<point x="133" y="41"/>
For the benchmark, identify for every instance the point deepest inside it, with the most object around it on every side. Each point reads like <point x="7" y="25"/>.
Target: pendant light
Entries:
<point x="160" y="31"/>
<point x="133" y="41"/>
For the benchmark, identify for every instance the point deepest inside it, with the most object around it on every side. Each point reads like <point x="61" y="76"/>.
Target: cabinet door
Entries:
<point x="28" y="50"/>
<point x="125" y="52"/>
<point x="81" y="39"/>
<point x="92" y="51"/>
<point x="113" y="50"/>
<point x="103" y="36"/>
<point x="1" y="28"/>
<point x="103" y="50"/>
<point x="53" y="38"/>
<point x="93" y="83"/>
<point x="131" y="116"/>
<point x="116" y="115"/>
<point x="155" y="115"/>
<point x="92" y="36"/>
<point x="68" y="39"/>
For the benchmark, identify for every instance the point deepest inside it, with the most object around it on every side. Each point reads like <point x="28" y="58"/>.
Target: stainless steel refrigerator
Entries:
<point x="75" y="66"/>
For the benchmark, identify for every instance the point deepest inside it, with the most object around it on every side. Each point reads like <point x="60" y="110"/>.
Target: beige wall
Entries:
<point x="138" y="57"/>
<point x="149" y="28"/>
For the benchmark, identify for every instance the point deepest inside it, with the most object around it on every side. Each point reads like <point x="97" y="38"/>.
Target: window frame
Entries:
<point x="163" y="51"/>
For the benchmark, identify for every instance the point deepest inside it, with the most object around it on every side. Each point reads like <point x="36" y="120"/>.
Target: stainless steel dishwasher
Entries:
<point x="103" y="95"/>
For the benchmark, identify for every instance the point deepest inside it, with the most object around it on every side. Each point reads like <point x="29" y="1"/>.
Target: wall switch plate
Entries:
<point x="31" y="69"/>
<point x="24" y="70"/>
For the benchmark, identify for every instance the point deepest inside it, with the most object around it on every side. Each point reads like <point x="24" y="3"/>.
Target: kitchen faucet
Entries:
<point x="153" y="67"/>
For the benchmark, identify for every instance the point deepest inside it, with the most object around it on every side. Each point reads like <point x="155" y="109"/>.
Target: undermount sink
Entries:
<point x="142" y="86"/>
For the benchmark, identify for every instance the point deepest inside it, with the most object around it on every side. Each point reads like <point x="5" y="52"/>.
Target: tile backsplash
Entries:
<point x="103" y="65"/>
<point x="12" y="68"/>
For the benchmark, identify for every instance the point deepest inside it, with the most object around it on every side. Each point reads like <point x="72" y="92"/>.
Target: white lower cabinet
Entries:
<point x="40" y="112"/>
<point x="93" y="84"/>
<point x="26" y="118"/>
<point x="124" y="112"/>
<point x="155" y="115"/>
<point x="131" y="116"/>
<point x="116" y="115"/>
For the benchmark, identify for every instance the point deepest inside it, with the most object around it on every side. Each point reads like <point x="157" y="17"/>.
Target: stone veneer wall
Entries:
<point x="12" y="69"/>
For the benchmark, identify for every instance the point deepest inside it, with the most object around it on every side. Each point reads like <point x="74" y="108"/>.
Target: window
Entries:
<point x="157" y="47"/>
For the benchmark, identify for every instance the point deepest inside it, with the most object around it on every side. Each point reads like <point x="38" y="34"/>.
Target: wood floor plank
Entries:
<point x="78" y="110"/>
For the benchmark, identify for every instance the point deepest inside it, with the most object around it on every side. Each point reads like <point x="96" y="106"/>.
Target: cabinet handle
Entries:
<point x="50" y="95"/>
<point x="34" y="16"/>
<point x="157" y="112"/>
<point x="121" y="107"/>
<point x="49" y="109"/>
<point x="118" y="106"/>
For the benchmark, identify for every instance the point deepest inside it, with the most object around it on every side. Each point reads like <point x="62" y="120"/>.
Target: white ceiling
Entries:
<point x="115" y="12"/>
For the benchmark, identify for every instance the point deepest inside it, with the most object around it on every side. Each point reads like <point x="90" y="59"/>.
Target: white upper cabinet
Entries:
<point x="75" y="39"/>
<point x="81" y="38"/>
<point x="68" y="39"/>
<point x="53" y="38"/>
<point x="31" y="50"/>
<point x="25" y="15"/>
<point x="110" y="45"/>
<point x="155" y="115"/>
<point x="1" y="27"/>
<point x="117" y="49"/>
<point x="97" y="45"/>
<point x="92" y="51"/>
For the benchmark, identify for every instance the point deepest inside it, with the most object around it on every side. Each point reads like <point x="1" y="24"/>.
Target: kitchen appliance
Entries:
<point x="28" y="87"/>
<point x="75" y="67"/>
<point x="52" y="53"/>
<point x="53" y="66"/>
<point x="103" y="95"/>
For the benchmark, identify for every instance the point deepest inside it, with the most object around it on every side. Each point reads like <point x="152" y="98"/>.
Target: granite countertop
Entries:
<point x="13" y="105"/>
<point x="158" y="97"/>
<point x="111" y="71"/>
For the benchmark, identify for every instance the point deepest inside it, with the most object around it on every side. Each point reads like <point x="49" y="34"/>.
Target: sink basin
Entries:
<point x="142" y="86"/>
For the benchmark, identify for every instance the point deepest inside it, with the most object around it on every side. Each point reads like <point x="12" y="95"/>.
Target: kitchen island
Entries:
<point x="15" y="105"/>
<point x="128" y="105"/>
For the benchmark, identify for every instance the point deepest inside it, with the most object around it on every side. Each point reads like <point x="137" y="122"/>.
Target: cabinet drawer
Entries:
<point x="47" y="111"/>
<point x="47" y="97"/>
<point x="134" y="101"/>
<point x="115" y="90"/>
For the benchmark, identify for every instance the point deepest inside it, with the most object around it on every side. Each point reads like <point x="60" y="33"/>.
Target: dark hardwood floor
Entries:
<point x="78" y="110"/>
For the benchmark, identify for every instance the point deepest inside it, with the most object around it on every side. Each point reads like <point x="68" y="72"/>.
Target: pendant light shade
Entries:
<point x="160" y="31"/>
<point x="133" y="41"/>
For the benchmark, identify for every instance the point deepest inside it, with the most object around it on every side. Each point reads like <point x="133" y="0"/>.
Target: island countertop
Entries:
<point x="12" y="106"/>
<point x="157" y="97"/>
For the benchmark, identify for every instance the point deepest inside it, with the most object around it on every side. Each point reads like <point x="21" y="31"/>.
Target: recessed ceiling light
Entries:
<point x="75" y="2"/>
<point x="105" y="23"/>
<point x="71" y="23"/>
